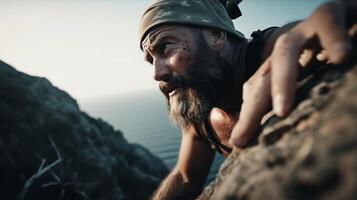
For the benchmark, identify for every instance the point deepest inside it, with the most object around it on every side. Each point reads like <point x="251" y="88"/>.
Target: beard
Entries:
<point x="187" y="106"/>
<point x="199" y="89"/>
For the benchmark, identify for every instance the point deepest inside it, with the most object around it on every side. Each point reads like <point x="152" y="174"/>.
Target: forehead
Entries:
<point x="175" y="31"/>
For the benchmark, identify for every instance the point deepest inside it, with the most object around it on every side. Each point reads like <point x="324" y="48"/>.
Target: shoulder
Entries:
<point x="221" y="121"/>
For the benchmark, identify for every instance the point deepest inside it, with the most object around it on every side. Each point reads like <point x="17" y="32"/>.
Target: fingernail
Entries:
<point x="321" y="57"/>
<point x="279" y="104"/>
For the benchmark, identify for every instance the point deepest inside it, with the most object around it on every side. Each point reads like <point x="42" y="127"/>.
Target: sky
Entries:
<point x="90" y="48"/>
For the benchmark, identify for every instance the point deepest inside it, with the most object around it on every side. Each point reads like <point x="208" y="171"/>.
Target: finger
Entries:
<point x="332" y="31"/>
<point x="256" y="102"/>
<point x="284" y="70"/>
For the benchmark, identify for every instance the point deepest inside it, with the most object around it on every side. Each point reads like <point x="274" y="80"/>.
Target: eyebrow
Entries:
<point x="156" y="43"/>
<point x="153" y="46"/>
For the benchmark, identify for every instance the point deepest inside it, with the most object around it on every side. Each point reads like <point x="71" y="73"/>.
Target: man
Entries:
<point x="218" y="85"/>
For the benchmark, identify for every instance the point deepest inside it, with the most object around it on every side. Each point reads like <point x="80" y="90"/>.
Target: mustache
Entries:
<point x="174" y="82"/>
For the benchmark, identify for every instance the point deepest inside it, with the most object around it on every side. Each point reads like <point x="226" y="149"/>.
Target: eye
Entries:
<point x="162" y="47"/>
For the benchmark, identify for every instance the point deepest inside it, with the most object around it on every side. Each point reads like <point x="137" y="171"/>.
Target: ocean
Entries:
<point x="143" y="119"/>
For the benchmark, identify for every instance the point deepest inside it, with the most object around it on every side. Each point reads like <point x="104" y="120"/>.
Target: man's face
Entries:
<point x="191" y="75"/>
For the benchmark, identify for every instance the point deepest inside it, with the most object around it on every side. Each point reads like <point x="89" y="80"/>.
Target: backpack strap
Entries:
<point x="206" y="132"/>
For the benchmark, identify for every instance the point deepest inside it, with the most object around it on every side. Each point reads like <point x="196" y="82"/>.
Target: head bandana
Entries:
<point x="206" y="13"/>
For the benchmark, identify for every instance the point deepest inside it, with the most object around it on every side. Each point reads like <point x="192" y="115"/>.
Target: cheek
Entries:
<point x="180" y="61"/>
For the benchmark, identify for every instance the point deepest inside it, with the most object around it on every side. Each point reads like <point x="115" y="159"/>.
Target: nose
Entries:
<point x="162" y="71"/>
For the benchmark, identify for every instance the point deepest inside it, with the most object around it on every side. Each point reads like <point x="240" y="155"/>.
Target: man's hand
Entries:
<point x="276" y="79"/>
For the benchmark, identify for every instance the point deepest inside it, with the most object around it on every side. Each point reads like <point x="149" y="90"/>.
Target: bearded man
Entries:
<point x="218" y="85"/>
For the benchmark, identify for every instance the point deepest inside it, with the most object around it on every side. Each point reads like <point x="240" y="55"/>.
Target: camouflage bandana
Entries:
<point x="205" y="13"/>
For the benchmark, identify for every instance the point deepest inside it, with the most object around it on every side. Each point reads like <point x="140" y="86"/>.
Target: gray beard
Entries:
<point x="187" y="106"/>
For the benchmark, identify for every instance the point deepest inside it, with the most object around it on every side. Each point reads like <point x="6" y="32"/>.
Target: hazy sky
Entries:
<point x="90" y="47"/>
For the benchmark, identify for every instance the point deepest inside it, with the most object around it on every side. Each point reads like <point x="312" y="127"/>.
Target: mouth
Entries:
<point x="168" y="89"/>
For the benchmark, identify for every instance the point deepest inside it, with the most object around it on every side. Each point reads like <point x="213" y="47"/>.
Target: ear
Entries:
<point x="216" y="39"/>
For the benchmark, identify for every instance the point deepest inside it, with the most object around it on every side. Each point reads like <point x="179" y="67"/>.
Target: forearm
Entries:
<point x="174" y="188"/>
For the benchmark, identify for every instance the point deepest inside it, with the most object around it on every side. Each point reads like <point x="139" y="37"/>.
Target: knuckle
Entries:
<point x="285" y="39"/>
<point x="254" y="84"/>
<point x="284" y="44"/>
<point x="289" y="43"/>
<point x="248" y="85"/>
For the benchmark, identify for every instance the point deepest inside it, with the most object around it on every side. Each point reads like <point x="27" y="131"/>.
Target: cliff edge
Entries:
<point x="310" y="154"/>
<point x="49" y="149"/>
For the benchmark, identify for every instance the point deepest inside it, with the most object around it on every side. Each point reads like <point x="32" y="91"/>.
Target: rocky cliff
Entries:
<point x="310" y="154"/>
<point x="49" y="149"/>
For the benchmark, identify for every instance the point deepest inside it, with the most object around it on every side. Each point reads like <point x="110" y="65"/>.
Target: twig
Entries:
<point x="41" y="171"/>
<point x="38" y="174"/>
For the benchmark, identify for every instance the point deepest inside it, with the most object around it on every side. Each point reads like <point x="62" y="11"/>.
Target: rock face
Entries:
<point x="49" y="149"/>
<point x="310" y="154"/>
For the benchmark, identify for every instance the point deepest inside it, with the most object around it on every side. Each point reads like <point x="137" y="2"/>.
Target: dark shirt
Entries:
<point x="248" y="59"/>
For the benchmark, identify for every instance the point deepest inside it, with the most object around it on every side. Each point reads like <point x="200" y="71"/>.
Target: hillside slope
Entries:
<point x="49" y="149"/>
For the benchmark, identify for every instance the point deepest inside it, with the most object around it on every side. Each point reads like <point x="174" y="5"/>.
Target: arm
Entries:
<point x="187" y="178"/>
